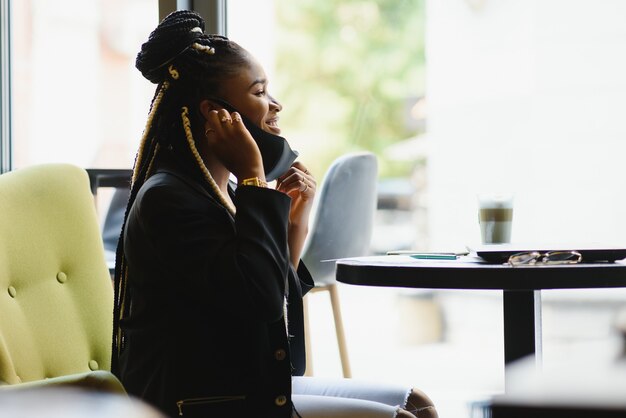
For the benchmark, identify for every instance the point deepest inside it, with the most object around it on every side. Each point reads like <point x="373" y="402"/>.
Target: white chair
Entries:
<point x="341" y="227"/>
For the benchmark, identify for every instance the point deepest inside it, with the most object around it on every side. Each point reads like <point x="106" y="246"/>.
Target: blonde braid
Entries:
<point x="121" y="281"/>
<point x="122" y="303"/>
<point x="203" y="48"/>
<point x="196" y="154"/>
<point x="146" y="132"/>
<point x="150" y="165"/>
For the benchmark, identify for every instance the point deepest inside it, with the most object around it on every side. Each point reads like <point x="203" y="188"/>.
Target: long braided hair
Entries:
<point x="188" y="66"/>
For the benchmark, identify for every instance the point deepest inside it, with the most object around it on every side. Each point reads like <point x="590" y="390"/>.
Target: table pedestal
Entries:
<point x="522" y="325"/>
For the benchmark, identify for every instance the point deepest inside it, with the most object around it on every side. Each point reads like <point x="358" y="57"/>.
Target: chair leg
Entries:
<point x="307" y="337"/>
<point x="341" y="339"/>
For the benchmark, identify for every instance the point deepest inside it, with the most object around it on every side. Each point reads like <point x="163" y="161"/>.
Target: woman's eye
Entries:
<point x="260" y="93"/>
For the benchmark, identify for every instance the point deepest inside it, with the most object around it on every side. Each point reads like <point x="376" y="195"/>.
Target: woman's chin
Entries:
<point x="273" y="130"/>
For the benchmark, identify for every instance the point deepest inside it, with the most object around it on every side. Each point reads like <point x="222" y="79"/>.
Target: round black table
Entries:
<point x="521" y="286"/>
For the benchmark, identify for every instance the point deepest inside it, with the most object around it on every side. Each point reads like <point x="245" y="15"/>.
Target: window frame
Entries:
<point x="214" y="12"/>
<point x="5" y="86"/>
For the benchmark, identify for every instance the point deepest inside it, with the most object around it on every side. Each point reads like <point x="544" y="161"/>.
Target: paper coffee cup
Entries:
<point x="495" y="216"/>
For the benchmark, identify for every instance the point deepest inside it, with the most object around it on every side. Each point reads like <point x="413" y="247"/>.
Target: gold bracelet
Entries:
<point x="253" y="181"/>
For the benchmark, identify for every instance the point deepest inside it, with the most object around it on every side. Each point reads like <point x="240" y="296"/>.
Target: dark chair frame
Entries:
<point x="108" y="177"/>
<point x="118" y="178"/>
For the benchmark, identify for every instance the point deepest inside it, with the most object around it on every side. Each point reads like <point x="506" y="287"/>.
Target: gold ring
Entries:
<point x="206" y="133"/>
<point x="237" y="118"/>
<point x="225" y="119"/>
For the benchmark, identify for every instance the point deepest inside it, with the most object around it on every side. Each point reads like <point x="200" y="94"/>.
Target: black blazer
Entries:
<point x="206" y="335"/>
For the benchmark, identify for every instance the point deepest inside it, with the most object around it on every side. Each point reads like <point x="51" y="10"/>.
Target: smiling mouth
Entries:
<point x="273" y="124"/>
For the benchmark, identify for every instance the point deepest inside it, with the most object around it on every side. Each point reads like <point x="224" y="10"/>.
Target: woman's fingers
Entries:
<point x="230" y="141"/>
<point x="297" y="181"/>
<point x="301" y="167"/>
<point x="221" y="123"/>
<point x="297" y="171"/>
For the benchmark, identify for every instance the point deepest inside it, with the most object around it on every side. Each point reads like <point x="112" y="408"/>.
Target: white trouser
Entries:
<point x="316" y="397"/>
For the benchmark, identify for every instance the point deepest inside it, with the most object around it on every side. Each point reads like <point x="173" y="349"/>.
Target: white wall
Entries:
<point x="528" y="97"/>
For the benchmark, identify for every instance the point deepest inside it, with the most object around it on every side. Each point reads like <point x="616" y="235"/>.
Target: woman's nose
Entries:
<point x="275" y="104"/>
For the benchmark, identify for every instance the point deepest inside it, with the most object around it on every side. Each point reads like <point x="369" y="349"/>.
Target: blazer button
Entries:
<point x="280" y="400"/>
<point x="280" y="354"/>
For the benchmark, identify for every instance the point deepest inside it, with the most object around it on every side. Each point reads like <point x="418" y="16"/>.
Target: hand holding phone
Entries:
<point x="230" y="140"/>
<point x="275" y="151"/>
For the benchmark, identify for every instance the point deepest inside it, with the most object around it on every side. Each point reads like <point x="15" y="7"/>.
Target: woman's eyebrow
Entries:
<point x="258" y="81"/>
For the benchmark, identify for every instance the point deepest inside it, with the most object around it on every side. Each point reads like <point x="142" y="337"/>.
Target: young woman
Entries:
<point x="208" y="281"/>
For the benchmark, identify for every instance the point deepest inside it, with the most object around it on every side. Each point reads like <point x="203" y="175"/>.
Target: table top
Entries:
<point x="470" y="272"/>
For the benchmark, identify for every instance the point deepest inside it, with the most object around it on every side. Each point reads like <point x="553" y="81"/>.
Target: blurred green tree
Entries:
<point x="348" y="69"/>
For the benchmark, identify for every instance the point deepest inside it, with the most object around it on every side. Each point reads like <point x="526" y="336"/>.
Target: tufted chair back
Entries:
<point x="56" y="296"/>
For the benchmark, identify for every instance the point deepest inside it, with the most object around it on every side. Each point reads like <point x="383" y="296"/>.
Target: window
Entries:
<point x="522" y="100"/>
<point x="77" y="97"/>
<point x="516" y="99"/>
<point x="351" y="76"/>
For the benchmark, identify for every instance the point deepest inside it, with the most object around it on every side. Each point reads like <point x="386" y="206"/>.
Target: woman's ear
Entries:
<point x="206" y="106"/>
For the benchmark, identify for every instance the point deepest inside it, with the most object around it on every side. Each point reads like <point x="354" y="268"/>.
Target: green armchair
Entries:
<point x="56" y="295"/>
